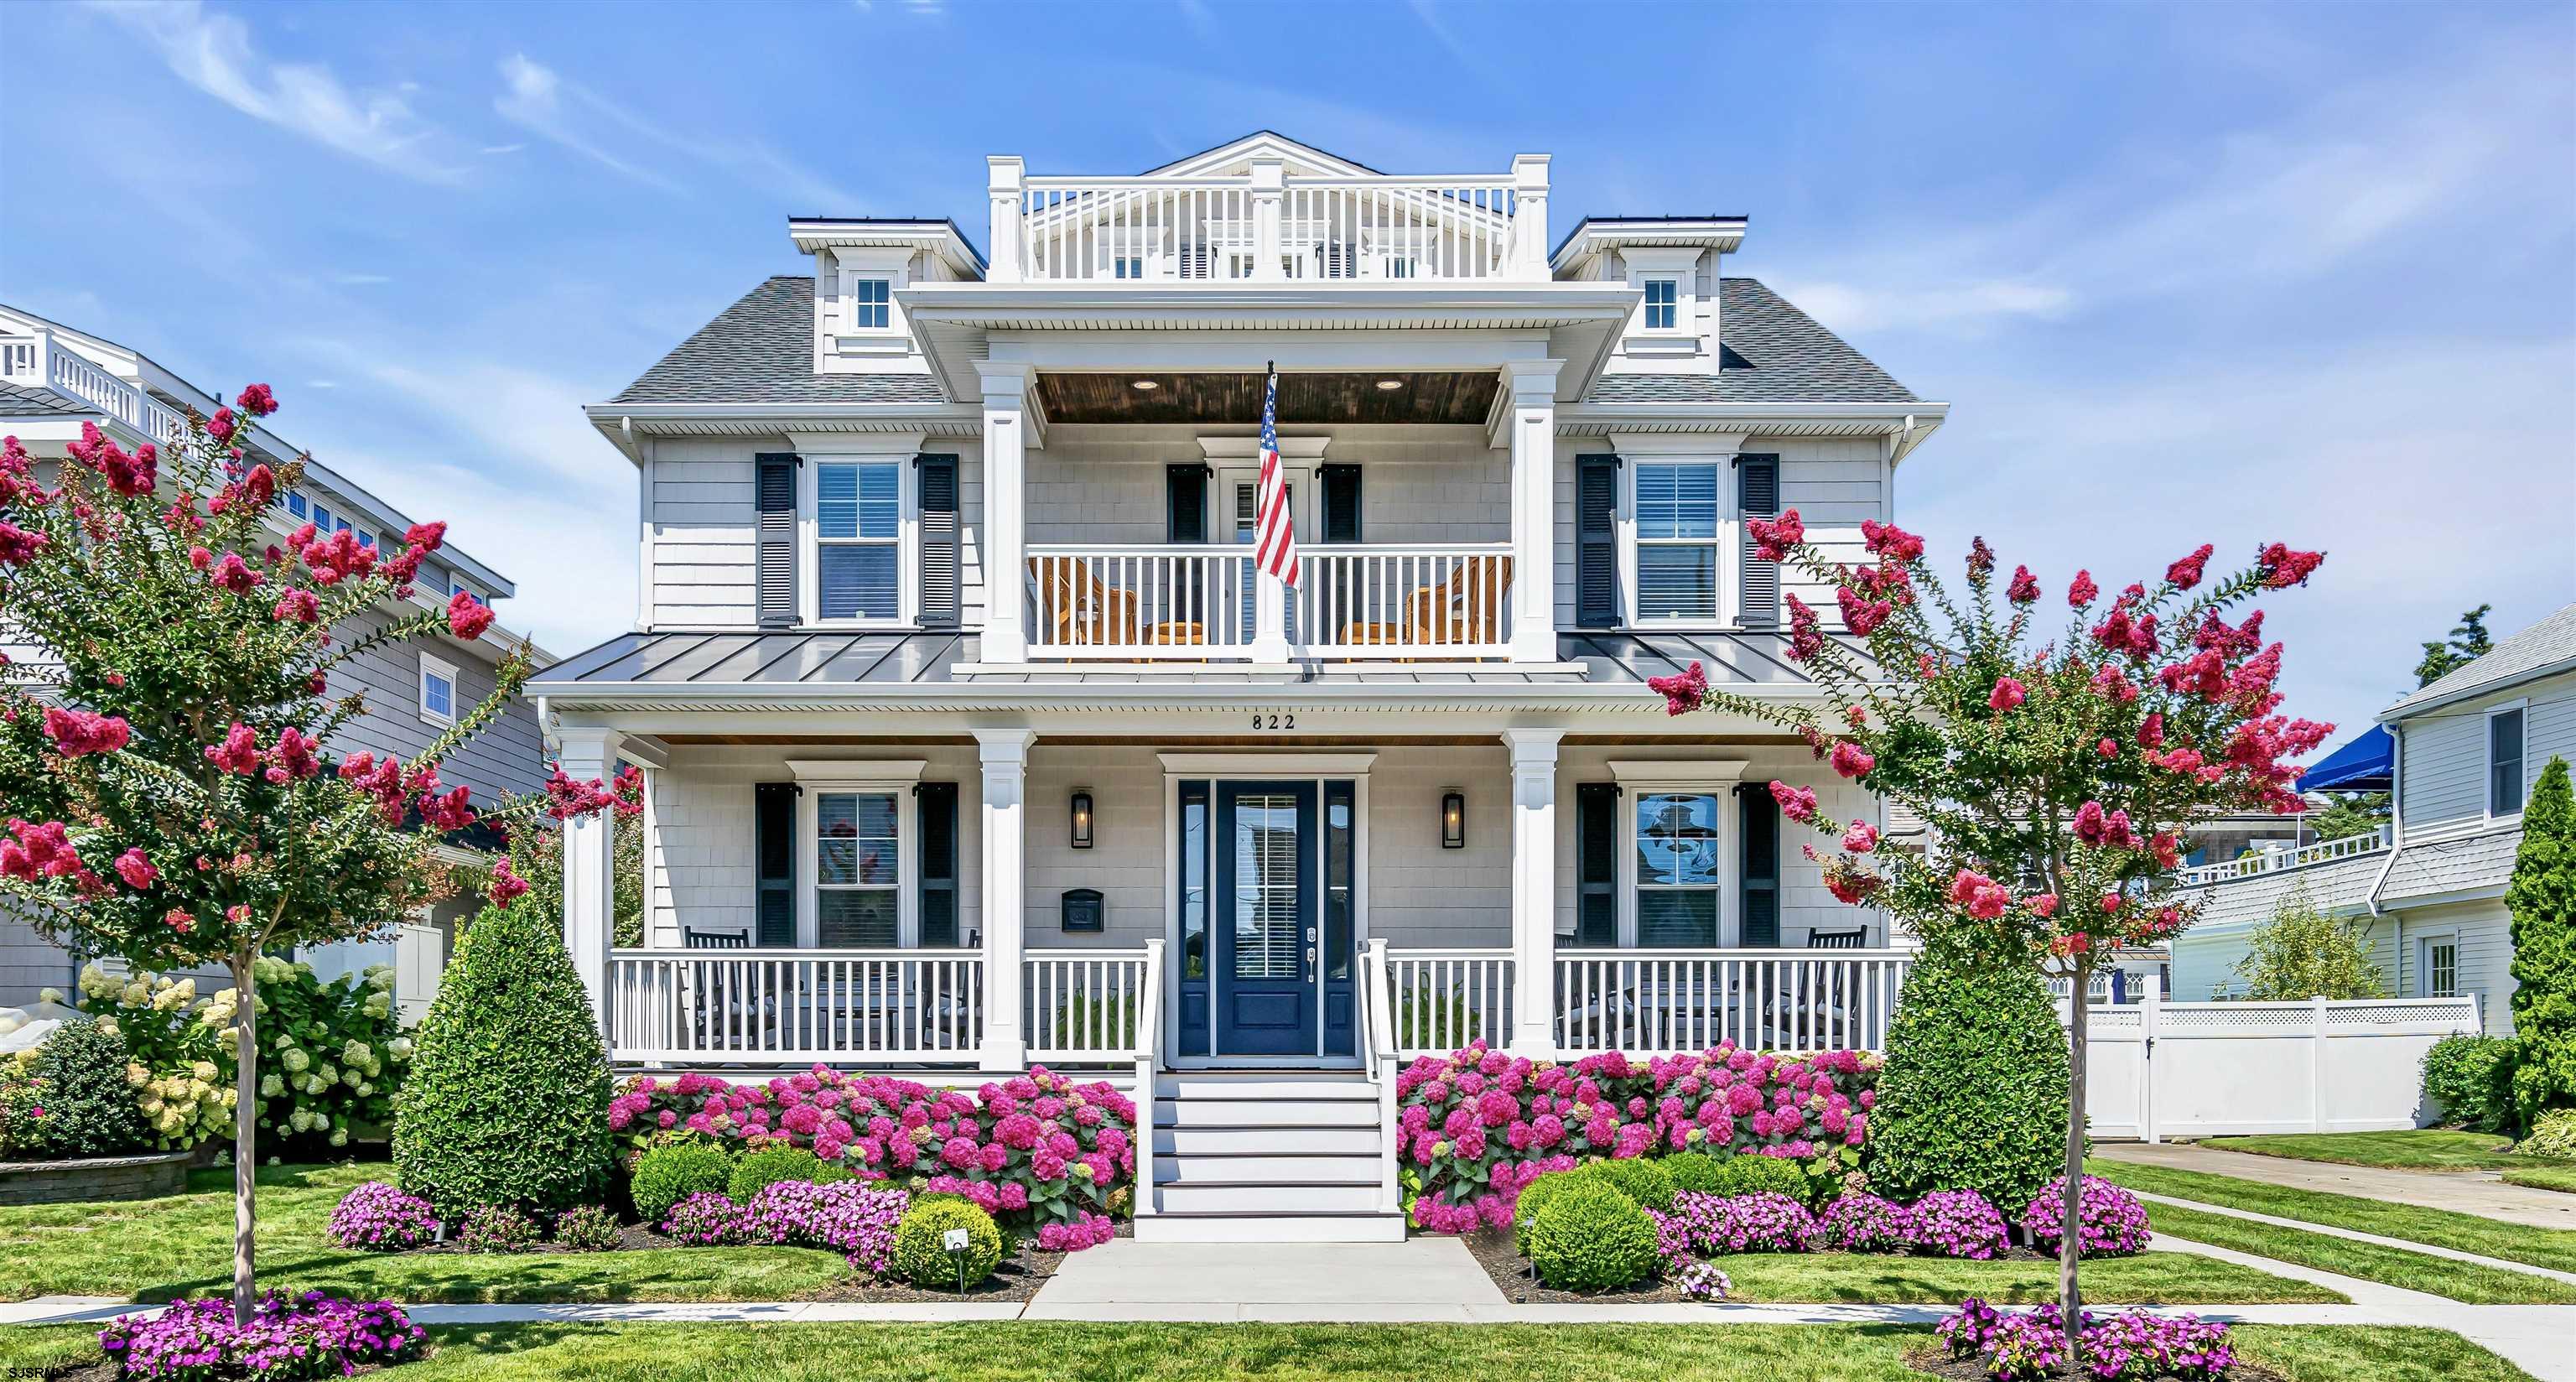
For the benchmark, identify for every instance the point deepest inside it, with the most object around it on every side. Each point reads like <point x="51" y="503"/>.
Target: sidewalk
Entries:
<point x="2462" y="1192"/>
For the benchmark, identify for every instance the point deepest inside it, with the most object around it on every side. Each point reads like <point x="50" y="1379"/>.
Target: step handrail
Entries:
<point x="1377" y="1048"/>
<point x="1149" y="1047"/>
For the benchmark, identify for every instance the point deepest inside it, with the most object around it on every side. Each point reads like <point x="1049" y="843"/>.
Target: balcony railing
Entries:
<point x="2277" y="860"/>
<point x="1266" y="226"/>
<point x="38" y="361"/>
<point x="1140" y="603"/>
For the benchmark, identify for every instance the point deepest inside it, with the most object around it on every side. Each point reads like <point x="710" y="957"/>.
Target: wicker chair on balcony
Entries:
<point x="1078" y="607"/>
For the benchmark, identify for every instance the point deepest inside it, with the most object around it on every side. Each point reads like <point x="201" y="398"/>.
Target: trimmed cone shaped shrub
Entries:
<point x="921" y="1254"/>
<point x="89" y="1107"/>
<point x="2542" y="899"/>
<point x="1974" y="1093"/>
<point x="1589" y="1237"/>
<point x="507" y="1100"/>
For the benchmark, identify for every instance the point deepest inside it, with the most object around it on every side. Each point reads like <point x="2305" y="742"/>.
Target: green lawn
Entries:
<point x="2540" y="1247"/>
<point x="157" y="1249"/>
<point x="2417" y="1149"/>
<point x="1036" y="1352"/>
<point x="2415" y="1271"/>
<point x="2153" y="1279"/>
<point x="2543" y="1176"/>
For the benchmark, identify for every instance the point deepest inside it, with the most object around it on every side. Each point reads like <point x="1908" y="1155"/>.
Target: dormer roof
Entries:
<point x="1593" y="234"/>
<point x="937" y="235"/>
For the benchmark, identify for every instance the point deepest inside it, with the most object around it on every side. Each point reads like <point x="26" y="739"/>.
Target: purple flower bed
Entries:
<point x="2110" y="1220"/>
<point x="309" y="1336"/>
<point x="852" y="1218"/>
<point x="1866" y="1223"/>
<point x="707" y="1221"/>
<point x="377" y="1217"/>
<point x="1713" y="1224"/>
<point x="1479" y="1124"/>
<point x="1959" y="1223"/>
<point x="2134" y="1347"/>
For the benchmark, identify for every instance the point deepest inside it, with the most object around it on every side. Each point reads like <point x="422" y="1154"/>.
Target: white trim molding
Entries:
<point x="1254" y="765"/>
<point x="431" y="665"/>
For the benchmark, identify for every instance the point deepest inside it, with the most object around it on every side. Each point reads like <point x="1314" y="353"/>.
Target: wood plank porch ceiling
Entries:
<point x="1458" y="397"/>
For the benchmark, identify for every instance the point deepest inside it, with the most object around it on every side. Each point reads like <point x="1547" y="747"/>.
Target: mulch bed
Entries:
<point x="1494" y="1251"/>
<point x="1935" y="1361"/>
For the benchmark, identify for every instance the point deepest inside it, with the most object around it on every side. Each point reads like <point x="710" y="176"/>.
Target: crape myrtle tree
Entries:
<point x="2061" y="769"/>
<point x="162" y="773"/>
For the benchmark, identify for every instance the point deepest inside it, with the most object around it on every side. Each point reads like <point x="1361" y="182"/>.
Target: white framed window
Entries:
<point x="1128" y="266"/>
<point x="1663" y="304"/>
<point x="1677" y="520"/>
<point x="855" y="826"/>
<point x="295" y="503"/>
<point x="1679" y="855"/>
<point x="861" y="517"/>
<point x="2504" y="759"/>
<point x="322" y="520"/>
<point x="2437" y="966"/>
<point x="871" y="304"/>
<point x="437" y="690"/>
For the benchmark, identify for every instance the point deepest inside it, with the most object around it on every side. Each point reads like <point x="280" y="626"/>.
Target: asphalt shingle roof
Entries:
<point x="2545" y="644"/>
<point x="20" y="400"/>
<point x="761" y="350"/>
<point x="1768" y="352"/>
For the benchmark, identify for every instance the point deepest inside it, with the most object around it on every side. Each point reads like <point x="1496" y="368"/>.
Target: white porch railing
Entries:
<point x="2276" y="860"/>
<point x="1191" y="602"/>
<point x="1420" y="229"/>
<point x="796" y="1007"/>
<point x="1091" y="1005"/>
<point x="1441" y="1000"/>
<point x="1380" y="1059"/>
<point x="1647" y="1002"/>
<point x="39" y="361"/>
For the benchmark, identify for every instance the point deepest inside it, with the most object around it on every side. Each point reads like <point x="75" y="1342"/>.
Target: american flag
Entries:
<point x="1274" y="532"/>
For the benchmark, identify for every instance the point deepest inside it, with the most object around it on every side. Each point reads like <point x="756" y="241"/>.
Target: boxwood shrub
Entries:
<point x="1639" y="1179"/>
<point x="921" y="1255"/>
<point x="507" y="1100"/>
<point x="1762" y="1175"/>
<point x="668" y="1174"/>
<point x="1535" y="1196"/>
<point x="1974" y="1093"/>
<point x="90" y="1109"/>
<point x="1589" y="1237"/>
<point x="757" y="1171"/>
<point x="1695" y="1171"/>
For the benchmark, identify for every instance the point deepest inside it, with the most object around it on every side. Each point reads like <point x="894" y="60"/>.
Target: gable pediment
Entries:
<point x="1235" y="159"/>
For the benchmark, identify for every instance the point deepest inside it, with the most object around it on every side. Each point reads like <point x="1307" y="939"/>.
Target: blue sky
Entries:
<point x="2184" y="272"/>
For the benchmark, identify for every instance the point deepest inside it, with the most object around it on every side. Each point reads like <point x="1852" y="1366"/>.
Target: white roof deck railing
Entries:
<point x="38" y="361"/>
<point x="1267" y="226"/>
<point x="2272" y="861"/>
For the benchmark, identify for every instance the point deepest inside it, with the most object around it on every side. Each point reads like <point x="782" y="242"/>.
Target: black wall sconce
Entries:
<point x="1082" y="818"/>
<point x="1453" y="819"/>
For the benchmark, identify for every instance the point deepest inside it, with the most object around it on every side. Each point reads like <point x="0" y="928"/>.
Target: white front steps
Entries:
<point x="1267" y="1158"/>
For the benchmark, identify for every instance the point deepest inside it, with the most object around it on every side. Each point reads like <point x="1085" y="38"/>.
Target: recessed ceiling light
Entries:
<point x="1147" y="385"/>
<point x="1390" y="383"/>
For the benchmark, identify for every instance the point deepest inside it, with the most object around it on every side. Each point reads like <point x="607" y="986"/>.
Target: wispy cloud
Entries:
<point x="213" y="52"/>
<point x="538" y="98"/>
<point x="490" y="149"/>
<point x="358" y="280"/>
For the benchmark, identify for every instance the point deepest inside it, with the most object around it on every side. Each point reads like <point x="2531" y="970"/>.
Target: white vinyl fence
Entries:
<point x="2157" y="1070"/>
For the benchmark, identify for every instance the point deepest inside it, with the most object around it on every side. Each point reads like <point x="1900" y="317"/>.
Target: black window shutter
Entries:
<point x="774" y="501"/>
<point x="1760" y="885"/>
<point x="1185" y="502"/>
<point x="1596" y="830"/>
<point x="773" y="852"/>
<point x="1757" y="495"/>
<point x="940" y="590"/>
<point x="938" y="863"/>
<point x="1596" y="542"/>
<point x="1341" y="502"/>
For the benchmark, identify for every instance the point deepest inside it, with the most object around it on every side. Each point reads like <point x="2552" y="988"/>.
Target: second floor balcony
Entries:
<point x="1352" y="602"/>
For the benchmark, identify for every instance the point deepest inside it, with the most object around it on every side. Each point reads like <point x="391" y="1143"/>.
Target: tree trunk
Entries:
<point x="2070" y="1243"/>
<point x="245" y="1133"/>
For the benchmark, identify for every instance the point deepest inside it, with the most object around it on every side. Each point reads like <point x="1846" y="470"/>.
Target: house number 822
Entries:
<point x="1275" y="720"/>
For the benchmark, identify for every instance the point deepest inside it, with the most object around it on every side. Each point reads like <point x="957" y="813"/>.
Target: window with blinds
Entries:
<point x="856" y="869"/>
<point x="1677" y="540"/>
<point x="1268" y="942"/>
<point x="1678" y="875"/>
<point x="858" y="526"/>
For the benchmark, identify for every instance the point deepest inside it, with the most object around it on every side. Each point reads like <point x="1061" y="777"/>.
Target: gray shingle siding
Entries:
<point x="1769" y="352"/>
<point x="507" y="758"/>
<point x="761" y="350"/>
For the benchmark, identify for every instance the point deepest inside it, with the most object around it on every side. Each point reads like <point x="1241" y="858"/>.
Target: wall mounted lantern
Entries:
<point x="1453" y="819"/>
<point x="1082" y="818"/>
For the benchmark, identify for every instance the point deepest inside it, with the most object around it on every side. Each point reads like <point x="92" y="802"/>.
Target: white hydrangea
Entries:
<point x="108" y="1025"/>
<point x="295" y="1060"/>
<point x="357" y="1053"/>
<point x="136" y="1075"/>
<point x="379" y="1005"/>
<point x="203" y="1070"/>
<point x="400" y="1048"/>
<point x="301" y="1120"/>
<point x="339" y="1137"/>
<point x="329" y="1073"/>
<point x="353" y="1077"/>
<point x="270" y="1086"/>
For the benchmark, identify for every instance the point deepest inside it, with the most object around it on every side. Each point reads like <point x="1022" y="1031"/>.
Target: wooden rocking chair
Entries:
<point x="1079" y="607"/>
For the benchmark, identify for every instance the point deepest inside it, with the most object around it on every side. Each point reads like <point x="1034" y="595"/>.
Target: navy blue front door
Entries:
<point x="1266" y="927"/>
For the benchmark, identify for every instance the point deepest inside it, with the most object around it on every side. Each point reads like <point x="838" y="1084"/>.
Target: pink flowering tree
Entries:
<point x="169" y="799"/>
<point x="2060" y="765"/>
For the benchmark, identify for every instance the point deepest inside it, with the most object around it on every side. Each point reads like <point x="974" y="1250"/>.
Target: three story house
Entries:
<point x="975" y="740"/>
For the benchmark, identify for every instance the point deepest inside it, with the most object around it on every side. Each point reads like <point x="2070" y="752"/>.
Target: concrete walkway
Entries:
<point x="1358" y="1282"/>
<point x="2356" y="1235"/>
<point x="2462" y="1192"/>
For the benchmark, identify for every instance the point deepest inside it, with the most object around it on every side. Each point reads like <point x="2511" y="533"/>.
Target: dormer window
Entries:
<point x="1663" y="303"/>
<point x="871" y="304"/>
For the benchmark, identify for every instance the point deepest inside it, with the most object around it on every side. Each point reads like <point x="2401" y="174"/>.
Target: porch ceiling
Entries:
<point x="1460" y="396"/>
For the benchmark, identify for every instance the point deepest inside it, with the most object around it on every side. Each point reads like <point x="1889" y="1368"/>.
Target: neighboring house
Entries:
<point x="2428" y="891"/>
<point x="53" y="378"/>
<point x="974" y="739"/>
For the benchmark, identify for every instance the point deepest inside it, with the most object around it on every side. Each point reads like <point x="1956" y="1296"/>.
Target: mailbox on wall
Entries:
<point x="1084" y="910"/>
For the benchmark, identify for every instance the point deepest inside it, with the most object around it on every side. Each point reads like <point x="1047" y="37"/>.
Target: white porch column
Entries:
<point x="1005" y="754"/>
<point x="1269" y="183"/>
<point x="1533" y="890"/>
<point x="1532" y="424"/>
<point x="1006" y="443"/>
<point x="1003" y="174"/>
<point x="1529" y="217"/>
<point x="589" y="873"/>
